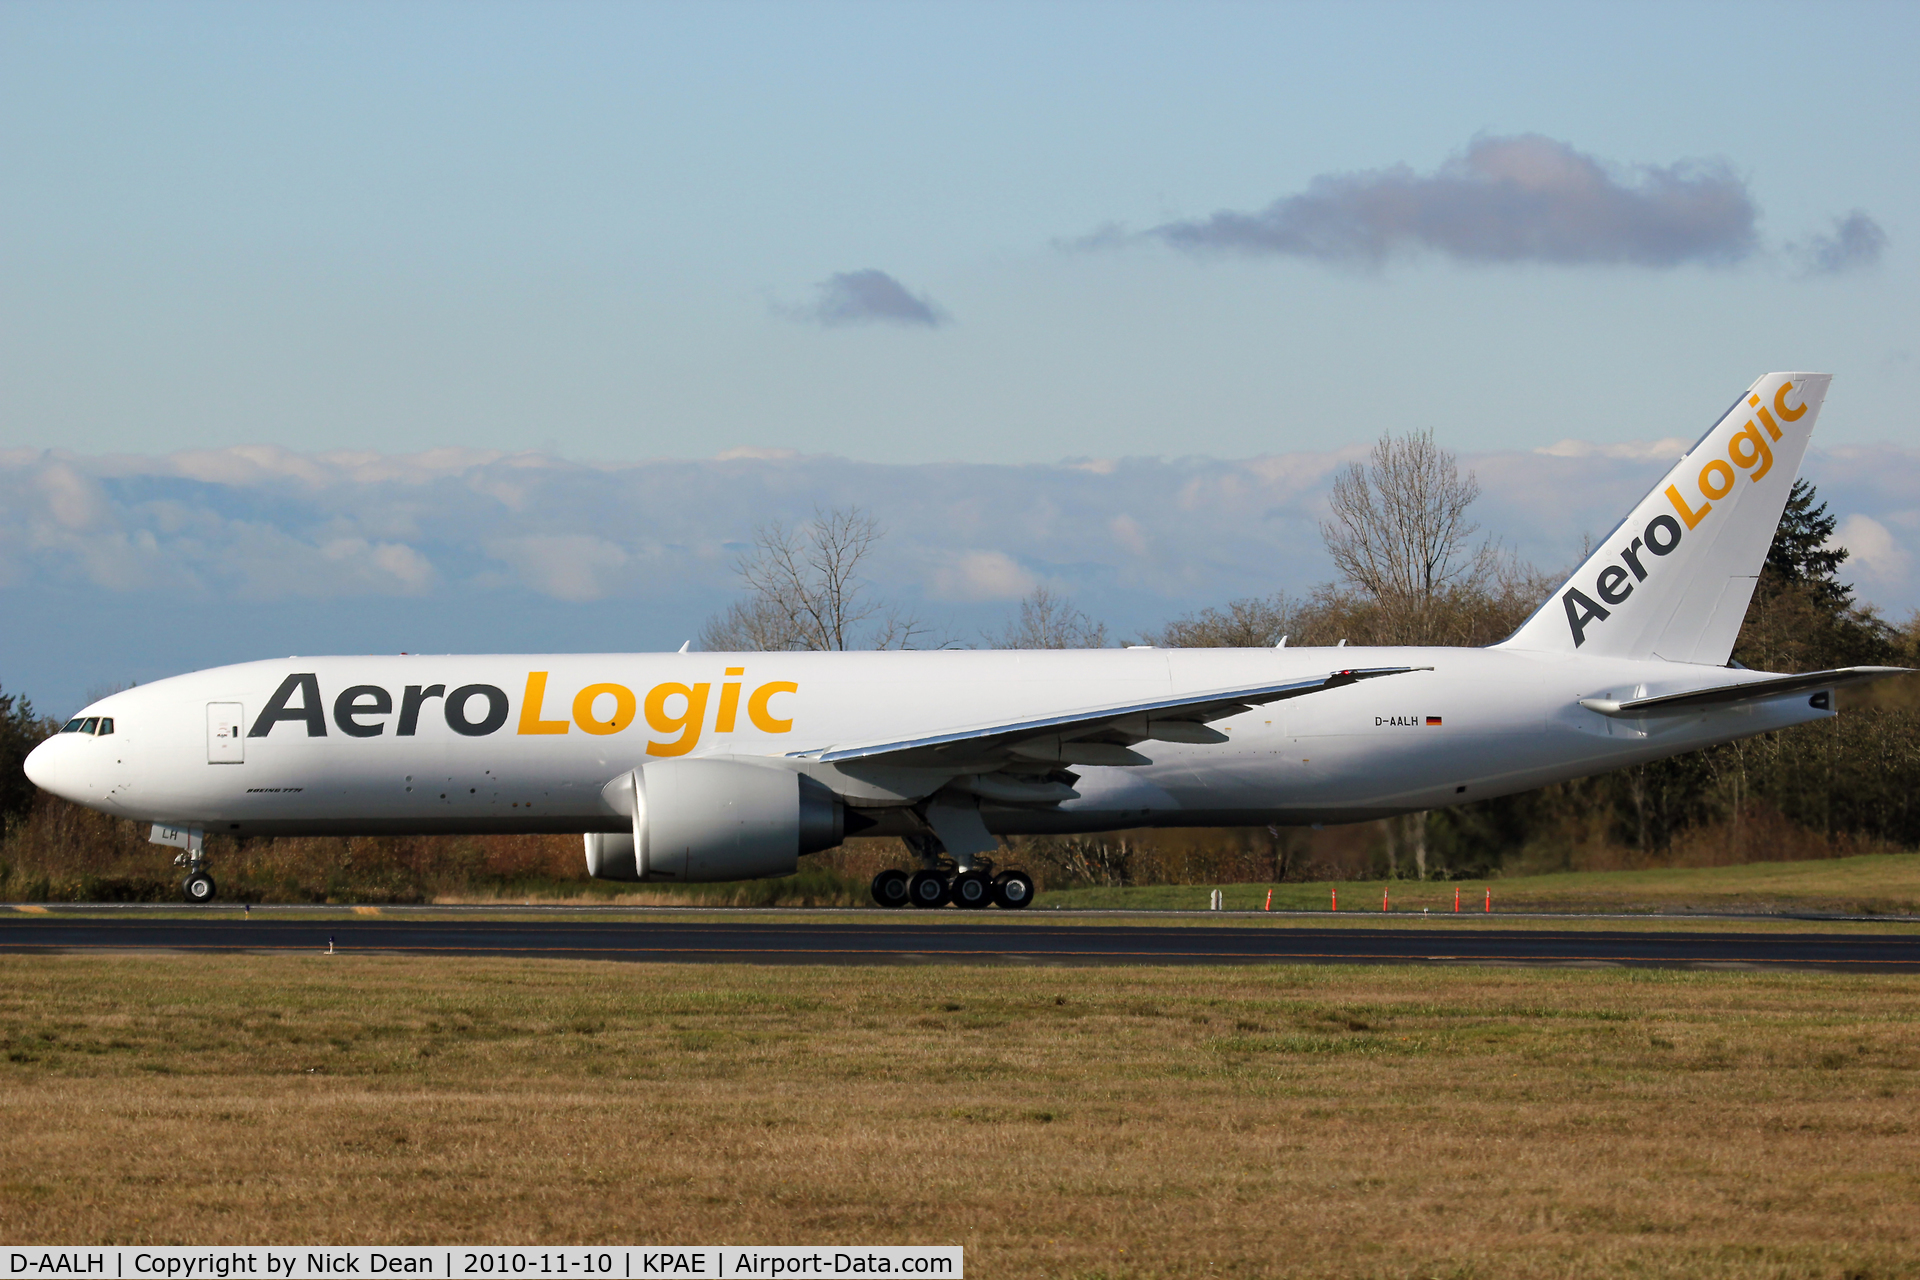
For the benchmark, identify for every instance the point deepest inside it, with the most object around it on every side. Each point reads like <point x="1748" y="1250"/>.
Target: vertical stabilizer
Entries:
<point x="1673" y="581"/>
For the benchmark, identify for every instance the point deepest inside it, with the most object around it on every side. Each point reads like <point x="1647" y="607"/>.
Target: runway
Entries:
<point x="905" y="940"/>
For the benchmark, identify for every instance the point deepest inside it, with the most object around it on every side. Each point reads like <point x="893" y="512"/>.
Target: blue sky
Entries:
<point x="910" y="233"/>
<point x="593" y="228"/>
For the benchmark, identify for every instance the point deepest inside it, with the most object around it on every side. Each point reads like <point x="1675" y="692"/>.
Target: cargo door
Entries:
<point x="225" y="743"/>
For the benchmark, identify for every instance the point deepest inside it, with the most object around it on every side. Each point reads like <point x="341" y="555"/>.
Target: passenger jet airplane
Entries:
<point x="724" y="766"/>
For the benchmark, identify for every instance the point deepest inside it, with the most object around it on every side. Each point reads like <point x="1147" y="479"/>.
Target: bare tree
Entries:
<point x="1048" y="620"/>
<point x="1400" y="536"/>
<point x="1258" y="622"/>
<point x="1399" y="533"/>
<point x="805" y="591"/>
<point x="749" y="625"/>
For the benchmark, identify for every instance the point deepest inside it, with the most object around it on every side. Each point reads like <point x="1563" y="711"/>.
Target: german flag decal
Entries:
<point x="1433" y="720"/>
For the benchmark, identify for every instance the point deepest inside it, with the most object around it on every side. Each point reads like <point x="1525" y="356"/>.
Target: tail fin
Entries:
<point x="1673" y="581"/>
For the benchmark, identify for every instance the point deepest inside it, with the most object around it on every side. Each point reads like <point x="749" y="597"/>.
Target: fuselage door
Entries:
<point x="225" y="745"/>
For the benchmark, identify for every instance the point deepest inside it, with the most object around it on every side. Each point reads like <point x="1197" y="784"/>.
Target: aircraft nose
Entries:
<point x="51" y="767"/>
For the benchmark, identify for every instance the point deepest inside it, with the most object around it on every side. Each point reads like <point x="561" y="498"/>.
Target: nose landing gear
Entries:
<point x="198" y="887"/>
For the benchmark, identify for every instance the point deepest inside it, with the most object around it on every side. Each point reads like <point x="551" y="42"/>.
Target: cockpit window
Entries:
<point x="90" y="724"/>
<point x="73" y="725"/>
<point x="106" y="726"/>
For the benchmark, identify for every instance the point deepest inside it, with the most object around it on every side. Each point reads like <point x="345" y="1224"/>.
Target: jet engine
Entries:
<point x="699" y="820"/>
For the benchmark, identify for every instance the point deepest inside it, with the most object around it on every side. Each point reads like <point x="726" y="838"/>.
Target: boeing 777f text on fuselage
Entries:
<point x="726" y="766"/>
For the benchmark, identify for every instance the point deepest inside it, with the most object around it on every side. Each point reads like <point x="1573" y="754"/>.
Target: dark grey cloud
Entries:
<point x="867" y="296"/>
<point x="1856" y="243"/>
<point x="1513" y="199"/>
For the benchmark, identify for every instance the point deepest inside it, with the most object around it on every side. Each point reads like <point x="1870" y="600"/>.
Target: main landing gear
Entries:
<point x="973" y="889"/>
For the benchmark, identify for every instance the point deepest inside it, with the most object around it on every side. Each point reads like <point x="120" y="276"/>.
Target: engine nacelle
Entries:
<point x="697" y="820"/>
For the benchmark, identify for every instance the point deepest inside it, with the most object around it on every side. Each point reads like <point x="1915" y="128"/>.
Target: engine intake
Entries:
<point x="704" y="820"/>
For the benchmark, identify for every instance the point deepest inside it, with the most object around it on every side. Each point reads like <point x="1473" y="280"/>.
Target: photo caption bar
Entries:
<point x="445" y="1262"/>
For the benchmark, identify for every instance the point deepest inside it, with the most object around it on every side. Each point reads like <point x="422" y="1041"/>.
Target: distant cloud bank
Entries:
<point x="1144" y="537"/>
<point x="867" y="296"/>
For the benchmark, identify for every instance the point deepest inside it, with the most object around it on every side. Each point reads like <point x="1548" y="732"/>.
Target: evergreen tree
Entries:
<point x="1800" y="555"/>
<point x="1803" y="617"/>
<point x="20" y="732"/>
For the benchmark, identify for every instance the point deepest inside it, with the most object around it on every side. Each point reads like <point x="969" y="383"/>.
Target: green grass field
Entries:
<point x="1879" y="884"/>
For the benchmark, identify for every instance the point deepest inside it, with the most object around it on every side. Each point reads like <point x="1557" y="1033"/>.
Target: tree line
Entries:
<point x="1412" y="567"/>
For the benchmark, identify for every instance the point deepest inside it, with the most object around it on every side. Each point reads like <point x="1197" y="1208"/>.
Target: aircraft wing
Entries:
<point x="1098" y="735"/>
<point x="1746" y="691"/>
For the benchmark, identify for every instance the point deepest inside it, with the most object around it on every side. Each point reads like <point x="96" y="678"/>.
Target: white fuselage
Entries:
<point x="397" y="757"/>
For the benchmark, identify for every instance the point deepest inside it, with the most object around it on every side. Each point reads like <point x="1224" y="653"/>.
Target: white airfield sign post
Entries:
<point x="685" y="767"/>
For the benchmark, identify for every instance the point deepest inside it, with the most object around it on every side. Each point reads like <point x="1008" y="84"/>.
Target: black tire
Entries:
<point x="198" y="888"/>
<point x="928" y="889"/>
<point x="972" y="890"/>
<point x="1013" y="890"/>
<point x="890" y="888"/>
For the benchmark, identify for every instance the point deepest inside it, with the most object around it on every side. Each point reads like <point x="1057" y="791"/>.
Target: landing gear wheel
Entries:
<point x="928" y="889"/>
<point x="972" y="890"/>
<point x="198" y="887"/>
<point x="1013" y="889"/>
<point x="890" y="888"/>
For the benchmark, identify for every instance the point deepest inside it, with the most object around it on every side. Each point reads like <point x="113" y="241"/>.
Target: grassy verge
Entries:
<point x="1040" y="917"/>
<point x="1118" y="1123"/>
<point x="1879" y="884"/>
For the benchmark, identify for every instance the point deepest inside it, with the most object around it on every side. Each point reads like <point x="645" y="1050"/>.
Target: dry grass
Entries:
<point x="1113" y="1122"/>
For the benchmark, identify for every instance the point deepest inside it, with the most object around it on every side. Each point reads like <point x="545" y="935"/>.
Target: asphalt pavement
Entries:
<point x="905" y="939"/>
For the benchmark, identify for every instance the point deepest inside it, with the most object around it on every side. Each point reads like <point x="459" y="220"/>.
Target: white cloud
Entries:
<point x="1126" y="532"/>
<point x="1873" y="547"/>
<point x="410" y="572"/>
<point x="1665" y="450"/>
<point x="981" y="575"/>
<point x="72" y="500"/>
<point x="565" y="566"/>
<point x="750" y="453"/>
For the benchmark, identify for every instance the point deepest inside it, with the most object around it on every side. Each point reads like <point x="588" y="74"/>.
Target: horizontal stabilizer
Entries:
<point x="1746" y="691"/>
<point x="1192" y="709"/>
